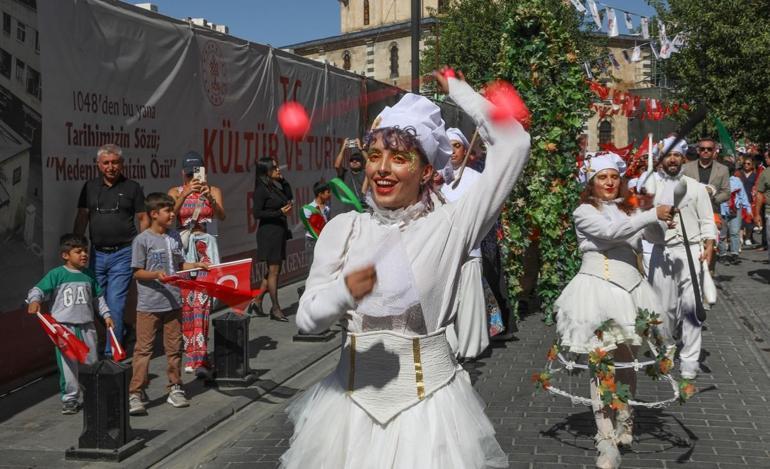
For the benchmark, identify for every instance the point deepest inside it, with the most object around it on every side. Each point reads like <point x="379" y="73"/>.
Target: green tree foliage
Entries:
<point x="725" y="61"/>
<point x="537" y="45"/>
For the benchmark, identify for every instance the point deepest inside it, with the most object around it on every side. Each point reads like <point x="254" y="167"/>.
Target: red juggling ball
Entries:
<point x="293" y="119"/>
<point x="507" y="104"/>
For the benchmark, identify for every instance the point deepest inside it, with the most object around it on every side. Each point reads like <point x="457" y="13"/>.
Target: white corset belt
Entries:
<point x="618" y="266"/>
<point x="385" y="372"/>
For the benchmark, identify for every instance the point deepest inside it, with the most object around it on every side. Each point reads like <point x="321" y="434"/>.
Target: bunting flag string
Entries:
<point x="631" y="55"/>
<point x="630" y="105"/>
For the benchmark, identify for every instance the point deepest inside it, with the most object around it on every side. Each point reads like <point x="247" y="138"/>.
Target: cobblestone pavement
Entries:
<point x="725" y="425"/>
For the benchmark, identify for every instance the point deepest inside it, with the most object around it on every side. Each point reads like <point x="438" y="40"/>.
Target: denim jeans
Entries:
<point x="113" y="272"/>
<point x="731" y="225"/>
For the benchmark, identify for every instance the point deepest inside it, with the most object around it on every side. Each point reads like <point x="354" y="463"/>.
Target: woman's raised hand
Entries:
<point x="441" y="76"/>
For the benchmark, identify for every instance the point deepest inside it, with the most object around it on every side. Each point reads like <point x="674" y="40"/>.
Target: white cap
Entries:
<point x="454" y="133"/>
<point x="599" y="162"/>
<point x="424" y="116"/>
<point x="741" y="149"/>
<point x="662" y="147"/>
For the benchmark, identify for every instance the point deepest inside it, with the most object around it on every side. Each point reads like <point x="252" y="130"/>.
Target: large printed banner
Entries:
<point x="158" y="88"/>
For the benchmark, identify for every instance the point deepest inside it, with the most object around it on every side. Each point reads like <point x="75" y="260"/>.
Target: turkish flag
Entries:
<point x="118" y="353"/>
<point x="67" y="342"/>
<point x="229" y="282"/>
<point x="317" y="222"/>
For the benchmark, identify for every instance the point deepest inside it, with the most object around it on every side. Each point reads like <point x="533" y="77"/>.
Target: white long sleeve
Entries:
<point x="326" y="297"/>
<point x="592" y="223"/>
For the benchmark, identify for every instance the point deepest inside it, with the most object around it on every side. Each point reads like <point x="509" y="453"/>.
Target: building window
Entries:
<point x="442" y="5"/>
<point x="366" y="12"/>
<point x="21" y="31"/>
<point x="6" y="24"/>
<point x="16" y="175"/>
<point x="394" y="60"/>
<point x="33" y="82"/>
<point x="605" y="132"/>
<point x="346" y="60"/>
<point x="37" y="41"/>
<point x="6" y="63"/>
<point x="20" y="70"/>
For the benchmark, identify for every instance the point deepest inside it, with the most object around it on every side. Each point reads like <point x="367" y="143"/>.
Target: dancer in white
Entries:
<point x="669" y="273"/>
<point x="398" y="398"/>
<point x="609" y="290"/>
<point x="471" y="307"/>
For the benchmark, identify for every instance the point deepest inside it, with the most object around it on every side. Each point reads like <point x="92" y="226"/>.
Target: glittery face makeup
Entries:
<point x="394" y="175"/>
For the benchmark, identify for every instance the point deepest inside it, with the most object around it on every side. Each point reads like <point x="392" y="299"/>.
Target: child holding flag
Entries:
<point x="72" y="288"/>
<point x="317" y="213"/>
<point x="156" y="254"/>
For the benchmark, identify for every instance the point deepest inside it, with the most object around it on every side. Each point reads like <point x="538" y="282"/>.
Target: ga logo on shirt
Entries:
<point x="74" y="296"/>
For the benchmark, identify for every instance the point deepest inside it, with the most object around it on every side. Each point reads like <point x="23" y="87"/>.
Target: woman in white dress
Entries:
<point x="609" y="287"/>
<point x="398" y="398"/>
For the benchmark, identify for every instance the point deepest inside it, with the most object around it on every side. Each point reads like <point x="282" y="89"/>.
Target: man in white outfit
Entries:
<point x="470" y="335"/>
<point x="669" y="273"/>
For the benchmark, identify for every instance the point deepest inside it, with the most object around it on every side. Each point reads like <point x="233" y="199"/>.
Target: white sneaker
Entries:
<point x="688" y="374"/>
<point x="188" y="369"/>
<point x="748" y="242"/>
<point x="177" y="397"/>
<point x="135" y="405"/>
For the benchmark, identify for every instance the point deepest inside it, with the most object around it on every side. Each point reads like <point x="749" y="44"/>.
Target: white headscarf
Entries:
<point x="454" y="133"/>
<point x="599" y="162"/>
<point x="424" y="116"/>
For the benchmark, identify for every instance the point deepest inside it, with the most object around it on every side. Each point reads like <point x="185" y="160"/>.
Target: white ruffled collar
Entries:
<point x="608" y="202"/>
<point x="401" y="216"/>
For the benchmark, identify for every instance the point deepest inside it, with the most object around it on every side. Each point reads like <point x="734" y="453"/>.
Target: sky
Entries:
<point x="283" y="22"/>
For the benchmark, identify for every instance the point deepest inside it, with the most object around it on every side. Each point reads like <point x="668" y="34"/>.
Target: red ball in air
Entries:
<point x="507" y="104"/>
<point x="293" y="119"/>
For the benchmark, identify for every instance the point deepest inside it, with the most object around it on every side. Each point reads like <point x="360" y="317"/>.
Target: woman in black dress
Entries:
<point x="272" y="203"/>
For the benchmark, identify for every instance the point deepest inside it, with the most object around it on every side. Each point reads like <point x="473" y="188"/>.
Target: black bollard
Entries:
<point x="231" y="350"/>
<point x="107" y="434"/>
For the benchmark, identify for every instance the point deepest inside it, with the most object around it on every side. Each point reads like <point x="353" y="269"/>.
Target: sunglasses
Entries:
<point x="705" y="148"/>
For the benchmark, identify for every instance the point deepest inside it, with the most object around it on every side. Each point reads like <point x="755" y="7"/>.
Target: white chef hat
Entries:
<point x="599" y="162"/>
<point x="663" y="146"/>
<point x="424" y="117"/>
<point x="454" y="133"/>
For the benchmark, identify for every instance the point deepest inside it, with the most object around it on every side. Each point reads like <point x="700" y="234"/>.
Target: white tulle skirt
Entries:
<point x="587" y="301"/>
<point x="448" y="430"/>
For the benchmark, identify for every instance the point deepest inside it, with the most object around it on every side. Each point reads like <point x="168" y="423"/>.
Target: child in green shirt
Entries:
<point x="72" y="291"/>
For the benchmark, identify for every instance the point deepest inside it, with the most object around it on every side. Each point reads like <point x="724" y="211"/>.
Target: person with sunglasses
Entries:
<point x="711" y="173"/>
<point x="111" y="207"/>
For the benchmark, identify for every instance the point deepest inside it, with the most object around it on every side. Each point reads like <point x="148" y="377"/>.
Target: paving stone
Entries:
<point x="726" y="425"/>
